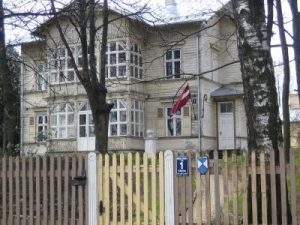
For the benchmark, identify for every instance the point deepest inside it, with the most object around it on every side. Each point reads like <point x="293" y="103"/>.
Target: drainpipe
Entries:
<point x="22" y="108"/>
<point x="199" y="93"/>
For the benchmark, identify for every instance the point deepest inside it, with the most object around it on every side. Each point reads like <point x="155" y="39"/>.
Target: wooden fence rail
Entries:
<point x="37" y="190"/>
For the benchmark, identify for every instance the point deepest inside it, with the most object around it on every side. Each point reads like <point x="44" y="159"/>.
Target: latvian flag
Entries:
<point x="182" y="100"/>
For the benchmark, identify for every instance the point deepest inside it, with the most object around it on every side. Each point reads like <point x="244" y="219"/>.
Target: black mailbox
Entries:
<point x="79" y="180"/>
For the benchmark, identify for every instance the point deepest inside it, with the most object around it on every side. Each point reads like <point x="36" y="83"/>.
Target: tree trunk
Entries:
<point x="261" y="105"/>
<point x="286" y="80"/>
<point x="296" y="37"/>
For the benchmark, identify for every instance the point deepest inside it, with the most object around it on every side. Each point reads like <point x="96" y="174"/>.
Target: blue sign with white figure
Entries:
<point x="202" y="165"/>
<point x="182" y="165"/>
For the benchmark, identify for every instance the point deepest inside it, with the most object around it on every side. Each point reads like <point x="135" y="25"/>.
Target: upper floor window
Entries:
<point x="174" y="123"/>
<point x="173" y="64"/>
<point x="41" y="77"/>
<point x="121" y="59"/>
<point x="62" y="121"/>
<point x="42" y="127"/>
<point x="61" y="68"/>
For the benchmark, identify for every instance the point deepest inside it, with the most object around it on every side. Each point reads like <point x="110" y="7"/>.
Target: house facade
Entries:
<point x="146" y="65"/>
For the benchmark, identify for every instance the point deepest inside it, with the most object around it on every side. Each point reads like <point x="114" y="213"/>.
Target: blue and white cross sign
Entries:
<point x="202" y="165"/>
<point x="182" y="166"/>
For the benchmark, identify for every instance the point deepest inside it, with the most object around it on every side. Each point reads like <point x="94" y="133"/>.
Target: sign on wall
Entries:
<point x="202" y="165"/>
<point x="182" y="165"/>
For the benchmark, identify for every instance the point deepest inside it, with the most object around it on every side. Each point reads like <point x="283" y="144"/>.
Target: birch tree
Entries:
<point x="261" y="105"/>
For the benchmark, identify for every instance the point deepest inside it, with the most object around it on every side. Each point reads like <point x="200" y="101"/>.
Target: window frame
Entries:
<point x="117" y="109"/>
<point x="56" y="128"/>
<point x="173" y="61"/>
<point x="44" y="125"/>
<point x="137" y="127"/>
<point x="174" y="117"/>
<point x="42" y="77"/>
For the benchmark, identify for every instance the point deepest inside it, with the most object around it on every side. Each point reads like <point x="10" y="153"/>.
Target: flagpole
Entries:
<point x="199" y="94"/>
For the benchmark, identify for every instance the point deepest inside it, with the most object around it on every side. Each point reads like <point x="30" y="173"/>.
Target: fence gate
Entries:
<point x="131" y="189"/>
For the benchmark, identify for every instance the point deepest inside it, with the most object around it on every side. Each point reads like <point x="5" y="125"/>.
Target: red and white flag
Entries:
<point x="182" y="100"/>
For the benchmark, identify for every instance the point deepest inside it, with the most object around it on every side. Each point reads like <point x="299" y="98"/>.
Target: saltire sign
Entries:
<point x="202" y="165"/>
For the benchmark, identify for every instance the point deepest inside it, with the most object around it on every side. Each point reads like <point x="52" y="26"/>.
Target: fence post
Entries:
<point x="92" y="189"/>
<point x="169" y="188"/>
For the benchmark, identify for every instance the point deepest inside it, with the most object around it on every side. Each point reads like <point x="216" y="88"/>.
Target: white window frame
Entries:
<point x="57" y="124"/>
<point x="59" y="70"/>
<point x="176" y="116"/>
<point x="42" y="77"/>
<point x="136" y="62"/>
<point x="89" y="124"/>
<point x="118" y="123"/>
<point x="137" y="118"/>
<point x="131" y="66"/>
<point x="41" y="135"/>
<point x="172" y="60"/>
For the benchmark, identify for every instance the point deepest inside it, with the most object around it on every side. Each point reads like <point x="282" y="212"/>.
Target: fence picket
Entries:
<point x="66" y="190"/>
<point x="146" y="215"/>
<point x="51" y="177"/>
<point x="10" y="189"/>
<point x="245" y="189"/>
<point x="189" y="191"/>
<point x="225" y="187"/>
<point x="207" y="197"/>
<point x="30" y="190"/>
<point x="273" y="186"/>
<point x="176" y="191"/>
<point x="122" y="188"/>
<point x="235" y="187"/>
<point x="107" y="191"/>
<point x="114" y="188"/>
<point x="253" y="188"/>
<point x="80" y="172"/>
<point x="138" y="188"/>
<point x="263" y="188"/>
<point x="45" y="187"/>
<point x="153" y="184"/>
<point x="100" y="186"/>
<point x="17" y="178"/>
<point x="161" y="188"/>
<point x="198" y="195"/>
<point x="130" y="205"/>
<point x="73" y="191"/>
<point x="283" y="187"/>
<point x="293" y="187"/>
<point x="59" y="191"/>
<point x="24" y="192"/>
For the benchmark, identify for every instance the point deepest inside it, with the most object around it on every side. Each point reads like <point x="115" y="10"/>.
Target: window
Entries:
<point x="41" y="77"/>
<point x="226" y="107"/>
<point x="118" y="63"/>
<point x="62" y="121"/>
<point x="86" y="124"/>
<point x="174" y="124"/>
<point x="137" y="118"/>
<point x="118" y="118"/>
<point x="136" y="62"/>
<point x="42" y="127"/>
<point x="119" y="122"/>
<point x="172" y="67"/>
<point x="116" y="59"/>
<point x="61" y="69"/>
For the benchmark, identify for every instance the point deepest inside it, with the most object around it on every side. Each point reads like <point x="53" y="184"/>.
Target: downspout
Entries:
<point x="198" y="38"/>
<point x="22" y="108"/>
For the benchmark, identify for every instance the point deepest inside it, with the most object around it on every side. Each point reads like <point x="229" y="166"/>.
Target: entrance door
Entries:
<point x="225" y="125"/>
<point x="86" y="136"/>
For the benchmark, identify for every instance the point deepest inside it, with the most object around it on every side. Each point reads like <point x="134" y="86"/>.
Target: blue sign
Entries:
<point x="202" y="165"/>
<point x="182" y="165"/>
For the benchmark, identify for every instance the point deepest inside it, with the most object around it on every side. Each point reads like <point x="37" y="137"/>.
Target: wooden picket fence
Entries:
<point x="131" y="188"/>
<point x="37" y="190"/>
<point x="238" y="189"/>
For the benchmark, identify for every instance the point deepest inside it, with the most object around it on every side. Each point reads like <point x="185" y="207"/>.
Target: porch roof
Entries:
<point x="226" y="92"/>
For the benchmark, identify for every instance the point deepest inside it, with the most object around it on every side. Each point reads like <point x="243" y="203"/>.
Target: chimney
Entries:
<point x="171" y="7"/>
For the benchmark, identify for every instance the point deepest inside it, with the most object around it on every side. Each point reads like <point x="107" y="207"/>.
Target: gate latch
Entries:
<point x="101" y="208"/>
